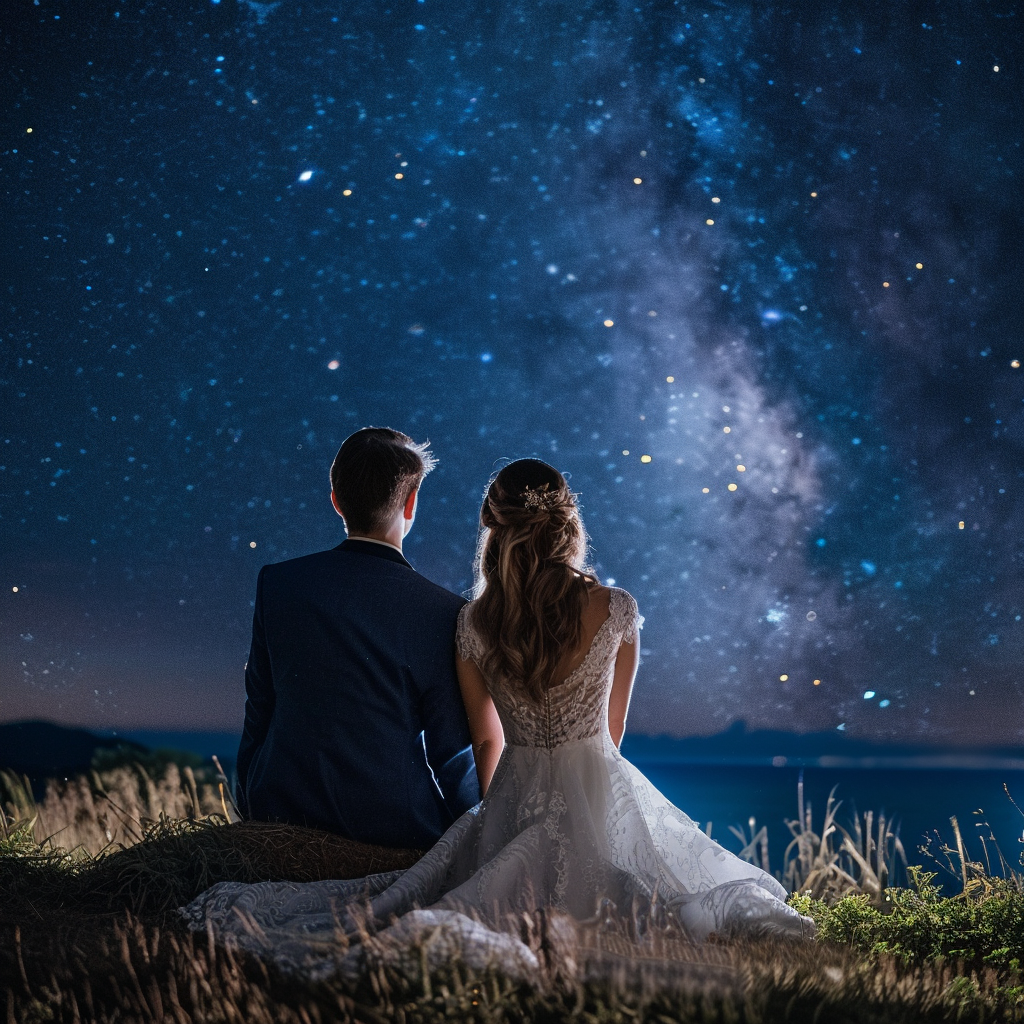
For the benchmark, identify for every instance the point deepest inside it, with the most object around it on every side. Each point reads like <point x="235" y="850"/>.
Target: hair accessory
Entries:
<point x="540" y="498"/>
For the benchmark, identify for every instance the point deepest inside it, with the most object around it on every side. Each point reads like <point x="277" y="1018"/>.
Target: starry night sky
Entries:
<point x="751" y="273"/>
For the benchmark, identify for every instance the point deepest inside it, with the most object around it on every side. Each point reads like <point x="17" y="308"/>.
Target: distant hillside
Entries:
<point x="223" y="745"/>
<point x="831" y="749"/>
<point x="42" y="750"/>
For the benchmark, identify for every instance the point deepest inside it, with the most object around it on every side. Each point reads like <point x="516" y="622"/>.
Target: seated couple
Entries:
<point x="387" y="710"/>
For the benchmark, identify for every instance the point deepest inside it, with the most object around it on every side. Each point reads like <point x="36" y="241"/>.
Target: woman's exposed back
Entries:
<point x="537" y="604"/>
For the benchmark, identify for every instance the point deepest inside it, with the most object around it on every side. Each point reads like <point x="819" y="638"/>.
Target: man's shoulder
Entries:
<point x="337" y="562"/>
<point x="300" y="565"/>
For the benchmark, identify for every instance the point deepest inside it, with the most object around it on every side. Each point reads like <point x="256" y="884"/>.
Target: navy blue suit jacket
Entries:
<point x="354" y="722"/>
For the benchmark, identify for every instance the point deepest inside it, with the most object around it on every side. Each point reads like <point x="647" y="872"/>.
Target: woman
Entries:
<point x="547" y="657"/>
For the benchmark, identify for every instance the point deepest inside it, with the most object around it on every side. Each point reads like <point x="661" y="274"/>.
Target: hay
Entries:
<point x="176" y="861"/>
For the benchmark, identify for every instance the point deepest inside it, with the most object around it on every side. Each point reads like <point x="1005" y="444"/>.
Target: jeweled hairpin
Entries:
<point x="540" y="498"/>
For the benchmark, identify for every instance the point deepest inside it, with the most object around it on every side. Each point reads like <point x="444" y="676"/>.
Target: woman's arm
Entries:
<point x="484" y="725"/>
<point x="626" y="662"/>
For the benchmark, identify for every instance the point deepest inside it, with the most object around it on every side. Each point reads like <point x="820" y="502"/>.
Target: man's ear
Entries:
<point x="410" y="504"/>
<point x="337" y="507"/>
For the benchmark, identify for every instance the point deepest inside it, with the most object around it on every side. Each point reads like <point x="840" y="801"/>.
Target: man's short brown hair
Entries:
<point x="374" y="472"/>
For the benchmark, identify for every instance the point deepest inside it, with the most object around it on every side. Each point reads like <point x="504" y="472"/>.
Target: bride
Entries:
<point x="546" y="662"/>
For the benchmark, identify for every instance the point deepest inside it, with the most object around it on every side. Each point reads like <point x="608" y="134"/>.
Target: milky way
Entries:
<point x="751" y="274"/>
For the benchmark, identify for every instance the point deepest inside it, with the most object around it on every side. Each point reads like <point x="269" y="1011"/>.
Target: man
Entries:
<point x="353" y="718"/>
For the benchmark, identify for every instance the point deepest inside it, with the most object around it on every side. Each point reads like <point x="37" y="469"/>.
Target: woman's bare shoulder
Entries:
<point x="599" y="601"/>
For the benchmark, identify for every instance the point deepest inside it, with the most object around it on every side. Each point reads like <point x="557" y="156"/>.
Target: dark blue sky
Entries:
<point x="714" y="235"/>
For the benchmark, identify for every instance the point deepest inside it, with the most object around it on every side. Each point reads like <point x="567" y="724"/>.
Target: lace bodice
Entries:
<point x="575" y="709"/>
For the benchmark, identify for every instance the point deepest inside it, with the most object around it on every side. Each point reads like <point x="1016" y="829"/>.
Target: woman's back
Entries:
<point x="575" y="707"/>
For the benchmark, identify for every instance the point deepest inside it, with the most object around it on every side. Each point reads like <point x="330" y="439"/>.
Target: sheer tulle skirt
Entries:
<point x="569" y="827"/>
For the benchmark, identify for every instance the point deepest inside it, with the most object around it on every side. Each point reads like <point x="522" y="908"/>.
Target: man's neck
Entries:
<point x="386" y="539"/>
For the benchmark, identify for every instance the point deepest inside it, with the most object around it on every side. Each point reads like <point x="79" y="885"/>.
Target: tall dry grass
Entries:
<point x="829" y="861"/>
<point x="110" y="809"/>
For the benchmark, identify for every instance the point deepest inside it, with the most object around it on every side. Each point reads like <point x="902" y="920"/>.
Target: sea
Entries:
<point x="918" y="796"/>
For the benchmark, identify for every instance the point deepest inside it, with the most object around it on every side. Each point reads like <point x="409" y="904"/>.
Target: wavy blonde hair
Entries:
<point x="531" y="575"/>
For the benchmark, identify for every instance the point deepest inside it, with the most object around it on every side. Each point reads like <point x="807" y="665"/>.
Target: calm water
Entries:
<point x="920" y="801"/>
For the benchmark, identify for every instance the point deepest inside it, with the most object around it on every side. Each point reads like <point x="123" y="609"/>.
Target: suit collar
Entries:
<point x="365" y="547"/>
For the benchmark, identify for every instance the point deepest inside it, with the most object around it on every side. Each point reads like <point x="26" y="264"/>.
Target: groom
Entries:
<point x="353" y="718"/>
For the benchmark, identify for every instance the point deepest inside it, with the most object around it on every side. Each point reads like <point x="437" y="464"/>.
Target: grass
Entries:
<point x="112" y="806"/>
<point x="91" y="876"/>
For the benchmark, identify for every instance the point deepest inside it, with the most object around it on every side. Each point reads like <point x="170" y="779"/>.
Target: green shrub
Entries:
<point x="985" y="927"/>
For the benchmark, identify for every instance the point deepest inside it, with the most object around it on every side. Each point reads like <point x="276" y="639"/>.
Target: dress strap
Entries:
<point x="467" y="643"/>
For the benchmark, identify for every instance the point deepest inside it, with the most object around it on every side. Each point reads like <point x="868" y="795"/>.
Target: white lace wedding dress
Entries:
<point x="567" y="823"/>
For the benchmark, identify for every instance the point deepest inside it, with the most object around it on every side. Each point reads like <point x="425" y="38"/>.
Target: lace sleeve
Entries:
<point x="466" y="642"/>
<point x="628" y="620"/>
